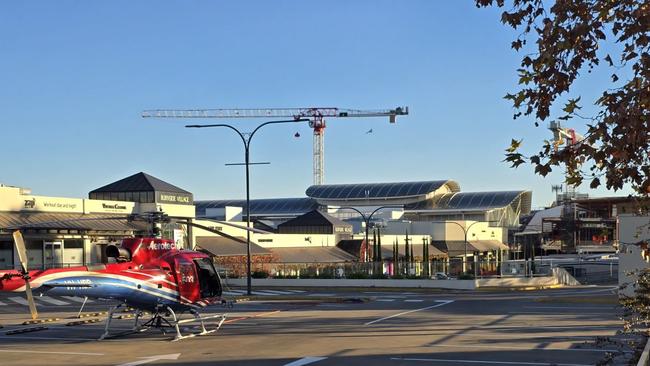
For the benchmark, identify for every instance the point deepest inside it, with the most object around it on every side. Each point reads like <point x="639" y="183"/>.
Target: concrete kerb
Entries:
<point x="503" y="283"/>
<point x="303" y="299"/>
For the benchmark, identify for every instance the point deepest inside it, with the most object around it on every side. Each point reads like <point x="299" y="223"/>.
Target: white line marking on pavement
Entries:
<point x="19" y="300"/>
<point x="526" y="348"/>
<point x="278" y="292"/>
<point x="51" y="352"/>
<point x="2" y="303"/>
<point x="556" y="313"/>
<point x="150" y="359"/>
<point x="320" y="295"/>
<point x="572" y="307"/>
<point x="265" y="293"/>
<point x="305" y="361"/>
<point x="441" y="303"/>
<point x="76" y="299"/>
<point x="484" y="361"/>
<point x="52" y="301"/>
<point x="413" y="300"/>
<point x="385" y="300"/>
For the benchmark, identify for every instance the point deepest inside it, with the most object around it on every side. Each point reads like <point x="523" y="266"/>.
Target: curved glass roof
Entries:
<point x="377" y="190"/>
<point x="469" y="201"/>
<point x="265" y="206"/>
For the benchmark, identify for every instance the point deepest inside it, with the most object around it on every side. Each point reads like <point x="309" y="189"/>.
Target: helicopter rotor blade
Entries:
<point x="251" y="229"/>
<point x="211" y="230"/>
<point x="30" y="299"/>
<point x="22" y="257"/>
<point x="20" y="249"/>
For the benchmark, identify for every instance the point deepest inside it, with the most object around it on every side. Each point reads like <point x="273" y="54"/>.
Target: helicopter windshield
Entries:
<point x="208" y="278"/>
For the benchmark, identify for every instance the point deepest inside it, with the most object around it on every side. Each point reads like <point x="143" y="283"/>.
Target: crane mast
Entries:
<point x="316" y="115"/>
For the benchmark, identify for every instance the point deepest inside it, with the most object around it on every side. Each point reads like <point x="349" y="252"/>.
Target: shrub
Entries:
<point x="466" y="276"/>
<point x="260" y="274"/>
<point x="358" y="276"/>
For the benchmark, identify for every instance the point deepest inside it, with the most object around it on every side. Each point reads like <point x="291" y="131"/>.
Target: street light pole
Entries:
<point x="246" y="139"/>
<point x="465" y="232"/>
<point x="367" y="219"/>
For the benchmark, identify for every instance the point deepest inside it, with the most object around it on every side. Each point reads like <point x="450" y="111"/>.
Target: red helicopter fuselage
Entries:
<point x="144" y="273"/>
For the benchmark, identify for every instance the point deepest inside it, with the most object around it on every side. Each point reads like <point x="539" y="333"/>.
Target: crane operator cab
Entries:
<point x="209" y="281"/>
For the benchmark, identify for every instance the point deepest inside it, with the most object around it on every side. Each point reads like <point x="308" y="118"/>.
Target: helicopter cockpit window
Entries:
<point x="208" y="278"/>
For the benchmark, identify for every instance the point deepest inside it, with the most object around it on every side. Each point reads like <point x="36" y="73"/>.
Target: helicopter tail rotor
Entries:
<point x="22" y="257"/>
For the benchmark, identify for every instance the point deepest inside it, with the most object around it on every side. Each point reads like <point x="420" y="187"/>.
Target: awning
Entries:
<point x="387" y="251"/>
<point x="67" y="221"/>
<point x="454" y="248"/>
<point x="220" y="246"/>
<point x="488" y="245"/>
<point x="312" y="255"/>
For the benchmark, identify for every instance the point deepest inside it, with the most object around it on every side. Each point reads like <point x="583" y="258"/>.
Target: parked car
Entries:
<point x="441" y="276"/>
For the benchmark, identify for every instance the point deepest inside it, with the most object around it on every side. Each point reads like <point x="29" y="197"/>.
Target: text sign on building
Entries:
<point x="98" y="206"/>
<point x="175" y="198"/>
<point x="51" y="204"/>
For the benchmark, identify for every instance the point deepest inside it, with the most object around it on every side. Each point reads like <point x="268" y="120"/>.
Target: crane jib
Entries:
<point x="272" y="112"/>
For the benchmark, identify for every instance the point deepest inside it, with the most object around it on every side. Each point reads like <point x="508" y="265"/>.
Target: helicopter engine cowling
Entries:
<point x="120" y="254"/>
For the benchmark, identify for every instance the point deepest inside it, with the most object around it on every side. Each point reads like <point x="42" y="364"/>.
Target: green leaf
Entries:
<point x="572" y="105"/>
<point x="514" y="145"/>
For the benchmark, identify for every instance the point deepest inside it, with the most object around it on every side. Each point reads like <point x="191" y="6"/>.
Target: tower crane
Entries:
<point x="568" y="136"/>
<point x="316" y="115"/>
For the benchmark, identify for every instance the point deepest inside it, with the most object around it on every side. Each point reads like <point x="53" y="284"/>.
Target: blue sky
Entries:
<point x="76" y="75"/>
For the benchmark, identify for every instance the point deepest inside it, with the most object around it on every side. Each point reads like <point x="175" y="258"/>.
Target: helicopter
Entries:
<point x="147" y="274"/>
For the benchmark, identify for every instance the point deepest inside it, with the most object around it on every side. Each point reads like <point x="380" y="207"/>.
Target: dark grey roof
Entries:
<point x="312" y="255"/>
<point x="314" y="218"/>
<point x="68" y="221"/>
<point x="221" y="246"/>
<point x="140" y="182"/>
<point x="265" y="206"/>
<point x="473" y="201"/>
<point x="458" y="248"/>
<point x="377" y="190"/>
<point x="454" y="248"/>
<point x="351" y="246"/>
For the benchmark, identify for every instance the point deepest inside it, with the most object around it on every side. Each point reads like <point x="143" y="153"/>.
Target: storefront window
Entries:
<point x="6" y="255"/>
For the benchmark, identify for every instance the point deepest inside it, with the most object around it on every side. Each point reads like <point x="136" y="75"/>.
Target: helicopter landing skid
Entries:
<point x="159" y="321"/>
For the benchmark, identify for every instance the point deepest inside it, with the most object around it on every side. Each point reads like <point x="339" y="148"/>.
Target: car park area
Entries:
<point x="336" y="327"/>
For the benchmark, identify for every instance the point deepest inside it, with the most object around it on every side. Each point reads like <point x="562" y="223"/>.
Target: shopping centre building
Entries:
<point x="324" y="226"/>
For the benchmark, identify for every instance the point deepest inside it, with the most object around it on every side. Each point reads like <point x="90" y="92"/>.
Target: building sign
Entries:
<point x="343" y="229"/>
<point x="175" y="198"/>
<point x="51" y="204"/>
<point x="115" y="206"/>
<point x="100" y="206"/>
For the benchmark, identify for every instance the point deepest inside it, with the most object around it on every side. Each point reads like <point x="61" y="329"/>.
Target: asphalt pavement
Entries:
<point x="334" y="327"/>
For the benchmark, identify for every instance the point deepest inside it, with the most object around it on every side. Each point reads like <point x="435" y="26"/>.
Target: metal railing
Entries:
<point x="437" y="269"/>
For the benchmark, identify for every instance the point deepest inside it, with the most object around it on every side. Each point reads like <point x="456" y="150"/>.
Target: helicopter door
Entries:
<point x="209" y="281"/>
<point x="187" y="281"/>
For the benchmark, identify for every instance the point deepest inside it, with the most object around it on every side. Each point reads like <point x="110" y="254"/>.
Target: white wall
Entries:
<point x="632" y="229"/>
<point x="268" y="240"/>
<point x="447" y="231"/>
